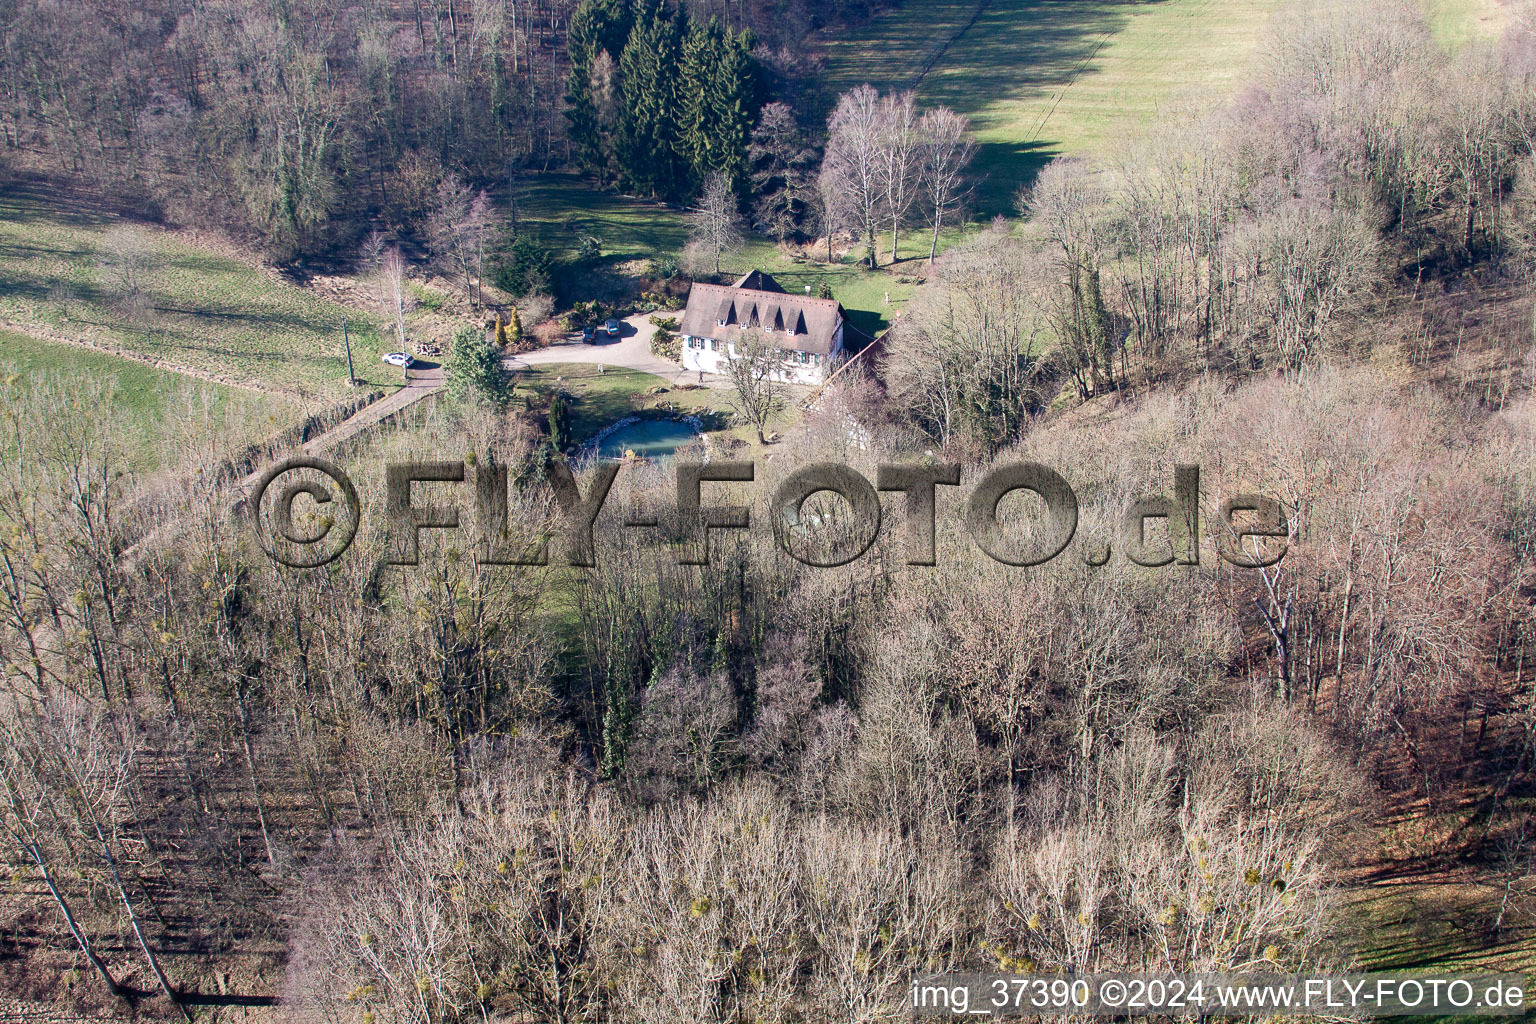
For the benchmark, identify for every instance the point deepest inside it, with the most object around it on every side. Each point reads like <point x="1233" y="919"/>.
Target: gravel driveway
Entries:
<point x="632" y="350"/>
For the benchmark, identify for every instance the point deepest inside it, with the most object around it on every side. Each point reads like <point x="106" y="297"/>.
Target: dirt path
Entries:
<point x="933" y="61"/>
<point x="424" y="383"/>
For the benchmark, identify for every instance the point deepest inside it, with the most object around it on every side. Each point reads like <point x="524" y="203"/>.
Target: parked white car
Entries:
<point x="398" y="359"/>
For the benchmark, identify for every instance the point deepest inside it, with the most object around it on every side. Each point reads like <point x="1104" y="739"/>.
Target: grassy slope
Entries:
<point x="211" y="312"/>
<point x="143" y="400"/>
<point x="1419" y="905"/>
<point x="1042" y="78"/>
<point x="1438" y="924"/>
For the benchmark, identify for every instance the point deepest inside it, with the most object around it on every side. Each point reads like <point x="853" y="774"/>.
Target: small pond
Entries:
<point x="648" y="438"/>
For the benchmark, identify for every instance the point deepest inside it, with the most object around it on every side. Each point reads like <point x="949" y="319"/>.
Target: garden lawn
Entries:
<point x="598" y="399"/>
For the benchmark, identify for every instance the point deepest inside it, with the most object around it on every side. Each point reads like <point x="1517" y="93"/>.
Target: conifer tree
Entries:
<point x="475" y="369"/>
<point x="514" y="328"/>
<point x="718" y="104"/>
<point x="646" y="145"/>
<point x="694" y="83"/>
<point x="734" y="104"/>
<point x="597" y="26"/>
<point x="580" y="111"/>
<point x="559" y="423"/>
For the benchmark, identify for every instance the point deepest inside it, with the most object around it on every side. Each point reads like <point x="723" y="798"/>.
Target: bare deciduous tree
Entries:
<point x="946" y="151"/>
<point x="755" y="368"/>
<point x="371" y="252"/>
<point x="960" y="364"/>
<point x="71" y="765"/>
<point x="899" y="161"/>
<point x="392" y="284"/>
<point x="851" y="174"/>
<point x="128" y="263"/>
<point x="716" y="224"/>
<point x="459" y="229"/>
<point x="1067" y="200"/>
<point x="1318" y="261"/>
<point x="26" y="818"/>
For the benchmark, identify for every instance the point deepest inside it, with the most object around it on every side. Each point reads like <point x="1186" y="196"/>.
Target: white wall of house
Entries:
<point x="701" y="354"/>
<point x="710" y="355"/>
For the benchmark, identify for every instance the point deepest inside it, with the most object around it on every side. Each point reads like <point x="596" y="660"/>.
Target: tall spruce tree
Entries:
<point x="718" y="97"/>
<point x="597" y="26"/>
<point x="694" y="75"/>
<point x="734" y="105"/>
<point x="646" y="143"/>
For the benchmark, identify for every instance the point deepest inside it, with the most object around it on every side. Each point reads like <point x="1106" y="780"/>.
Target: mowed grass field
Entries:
<point x="145" y="409"/>
<point x="212" y="312"/>
<point x="1047" y="78"/>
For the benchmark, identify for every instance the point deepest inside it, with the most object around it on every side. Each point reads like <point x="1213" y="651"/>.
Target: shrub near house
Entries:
<point x="475" y="370"/>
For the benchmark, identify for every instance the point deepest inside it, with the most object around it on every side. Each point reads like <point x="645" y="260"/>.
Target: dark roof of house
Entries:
<point x="758" y="281"/>
<point x="798" y="321"/>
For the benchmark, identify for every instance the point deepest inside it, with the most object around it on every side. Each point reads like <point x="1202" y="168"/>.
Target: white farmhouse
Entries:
<point x="808" y="332"/>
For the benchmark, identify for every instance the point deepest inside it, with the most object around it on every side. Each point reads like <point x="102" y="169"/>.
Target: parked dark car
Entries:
<point x="613" y="328"/>
<point x="588" y="334"/>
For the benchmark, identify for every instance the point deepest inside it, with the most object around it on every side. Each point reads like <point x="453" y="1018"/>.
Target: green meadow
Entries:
<point x="198" y="307"/>
<point x="147" y="412"/>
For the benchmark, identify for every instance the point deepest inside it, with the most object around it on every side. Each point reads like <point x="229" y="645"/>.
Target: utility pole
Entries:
<point x="345" y="340"/>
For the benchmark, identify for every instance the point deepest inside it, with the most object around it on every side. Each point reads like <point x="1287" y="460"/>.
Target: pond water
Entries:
<point x="648" y="438"/>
